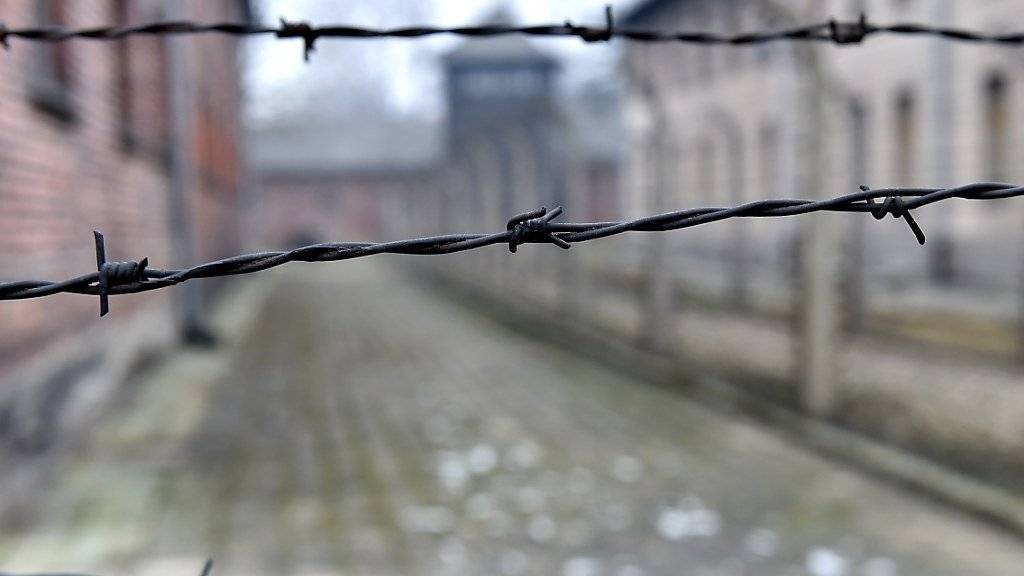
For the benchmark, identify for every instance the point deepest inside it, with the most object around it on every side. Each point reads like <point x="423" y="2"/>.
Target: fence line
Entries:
<point x="835" y="31"/>
<point x="537" y="227"/>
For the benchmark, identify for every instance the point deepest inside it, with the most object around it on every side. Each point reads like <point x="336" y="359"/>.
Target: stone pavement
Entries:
<point x="359" y="424"/>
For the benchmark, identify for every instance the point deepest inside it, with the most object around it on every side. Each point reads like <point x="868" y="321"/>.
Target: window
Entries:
<point x="997" y="128"/>
<point x="858" y="144"/>
<point x="701" y="19"/>
<point x="707" y="168"/>
<point x="52" y="78"/>
<point x="501" y="83"/>
<point x="766" y="18"/>
<point x="906" y="138"/>
<point x="730" y="14"/>
<point x="768" y="159"/>
<point x="123" y="78"/>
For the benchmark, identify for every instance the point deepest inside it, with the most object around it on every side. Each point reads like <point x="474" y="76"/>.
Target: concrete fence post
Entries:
<point x="657" y="306"/>
<point x="573" y="291"/>
<point x="819" y="302"/>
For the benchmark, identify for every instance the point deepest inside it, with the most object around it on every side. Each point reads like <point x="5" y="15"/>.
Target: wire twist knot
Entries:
<point x="533" y="227"/>
<point x="124" y="272"/>
<point x="302" y="30"/>
<point x="895" y="206"/>
<point x="115" y="273"/>
<point x="589" y="34"/>
<point x="849" y="32"/>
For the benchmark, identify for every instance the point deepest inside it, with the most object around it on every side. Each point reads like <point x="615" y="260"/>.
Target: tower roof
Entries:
<point x="498" y="49"/>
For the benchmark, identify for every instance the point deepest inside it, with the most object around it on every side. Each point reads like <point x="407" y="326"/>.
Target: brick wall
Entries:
<point x="297" y="208"/>
<point x="85" y="148"/>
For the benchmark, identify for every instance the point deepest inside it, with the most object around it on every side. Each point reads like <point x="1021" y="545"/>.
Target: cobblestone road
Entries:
<point x="365" y="426"/>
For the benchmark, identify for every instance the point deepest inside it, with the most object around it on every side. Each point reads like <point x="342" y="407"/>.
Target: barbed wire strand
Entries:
<point x="835" y="31"/>
<point x="535" y="227"/>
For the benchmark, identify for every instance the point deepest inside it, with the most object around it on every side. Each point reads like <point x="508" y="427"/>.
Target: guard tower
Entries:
<point x="501" y="91"/>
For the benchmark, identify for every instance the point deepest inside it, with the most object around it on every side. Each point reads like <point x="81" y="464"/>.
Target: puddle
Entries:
<point x="427" y="520"/>
<point x="762" y="542"/>
<point x="823" y="561"/>
<point x="541" y="529"/>
<point x="683" y="523"/>
<point x="581" y="566"/>
<point x="627" y="469"/>
<point x="482" y="459"/>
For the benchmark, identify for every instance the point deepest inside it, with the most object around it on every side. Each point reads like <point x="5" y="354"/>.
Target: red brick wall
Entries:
<point x="60" y="179"/>
<point x="351" y="206"/>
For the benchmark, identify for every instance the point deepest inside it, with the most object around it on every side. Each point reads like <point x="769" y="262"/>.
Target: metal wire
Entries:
<point x="535" y="227"/>
<point x="835" y="31"/>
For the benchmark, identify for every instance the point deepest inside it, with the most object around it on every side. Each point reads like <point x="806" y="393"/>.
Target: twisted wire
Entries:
<point x="529" y="228"/>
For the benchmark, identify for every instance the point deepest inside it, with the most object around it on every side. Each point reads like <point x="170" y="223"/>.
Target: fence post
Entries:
<point x="819" y="301"/>
<point x="656" y="288"/>
<point x="574" y="285"/>
<point x="819" y="305"/>
<point x="658" y="307"/>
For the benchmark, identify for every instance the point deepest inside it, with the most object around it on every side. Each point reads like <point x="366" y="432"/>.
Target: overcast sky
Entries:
<point x="394" y="75"/>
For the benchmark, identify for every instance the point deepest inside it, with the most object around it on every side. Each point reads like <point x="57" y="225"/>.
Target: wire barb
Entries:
<point x="589" y="34"/>
<point x="897" y="207"/>
<point x="849" y="32"/>
<point x="299" y="30"/>
<point x="533" y="227"/>
<point x="114" y="273"/>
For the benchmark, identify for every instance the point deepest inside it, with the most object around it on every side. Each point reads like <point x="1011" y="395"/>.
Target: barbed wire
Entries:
<point x="536" y="227"/>
<point x="835" y="31"/>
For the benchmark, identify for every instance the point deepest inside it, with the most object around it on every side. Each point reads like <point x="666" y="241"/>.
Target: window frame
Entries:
<point x="51" y="80"/>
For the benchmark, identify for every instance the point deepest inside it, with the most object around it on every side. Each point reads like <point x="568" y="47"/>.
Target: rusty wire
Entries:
<point x="535" y="227"/>
<point x="835" y="31"/>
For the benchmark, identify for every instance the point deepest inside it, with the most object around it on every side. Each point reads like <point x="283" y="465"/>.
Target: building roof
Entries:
<point x="352" y="145"/>
<point x="499" y="49"/>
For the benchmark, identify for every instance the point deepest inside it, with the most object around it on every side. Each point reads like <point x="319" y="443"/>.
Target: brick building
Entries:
<point x="88" y="142"/>
<point x="327" y="179"/>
